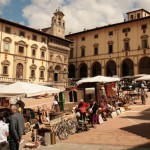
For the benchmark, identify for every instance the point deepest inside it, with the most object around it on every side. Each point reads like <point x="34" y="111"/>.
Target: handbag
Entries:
<point x="91" y="109"/>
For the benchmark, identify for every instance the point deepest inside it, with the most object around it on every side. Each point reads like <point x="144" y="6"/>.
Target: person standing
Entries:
<point x="92" y="110"/>
<point x="16" y="128"/>
<point x="143" y="95"/>
<point x="4" y="132"/>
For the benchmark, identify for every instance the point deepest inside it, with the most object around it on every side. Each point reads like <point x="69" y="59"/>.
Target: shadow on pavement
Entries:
<point x="144" y="115"/>
<point x="141" y="147"/>
<point x="142" y="130"/>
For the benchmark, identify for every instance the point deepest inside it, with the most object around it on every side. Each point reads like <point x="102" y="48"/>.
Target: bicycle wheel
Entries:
<point x="72" y="126"/>
<point x="62" y="133"/>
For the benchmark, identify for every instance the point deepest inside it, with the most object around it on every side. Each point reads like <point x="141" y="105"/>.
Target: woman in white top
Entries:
<point x="4" y="132"/>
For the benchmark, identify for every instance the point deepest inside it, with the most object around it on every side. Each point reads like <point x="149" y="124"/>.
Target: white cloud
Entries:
<point x="3" y="3"/>
<point x="80" y="14"/>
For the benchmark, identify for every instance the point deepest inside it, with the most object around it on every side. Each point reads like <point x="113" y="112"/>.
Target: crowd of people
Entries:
<point x="12" y="126"/>
<point x="91" y="111"/>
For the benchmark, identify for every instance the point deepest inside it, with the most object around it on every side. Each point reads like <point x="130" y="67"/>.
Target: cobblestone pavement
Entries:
<point x="129" y="130"/>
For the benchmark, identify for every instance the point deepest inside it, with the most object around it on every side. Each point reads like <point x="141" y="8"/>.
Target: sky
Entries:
<point x="79" y="14"/>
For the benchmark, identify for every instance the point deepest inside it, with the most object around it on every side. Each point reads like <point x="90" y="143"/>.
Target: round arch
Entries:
<point x="57" y="68"/>
<point x="111" y="68"/>
<point x="127" y="67"/>
<point x="71" y="69"/>
<point x="144" y="65"/>
<point x="83" y="70"/>
<point x="96" y="69"/>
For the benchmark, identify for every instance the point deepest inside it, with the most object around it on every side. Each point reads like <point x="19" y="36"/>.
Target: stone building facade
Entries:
<point x="118" y="49"/>
<point x="32" y="55"/>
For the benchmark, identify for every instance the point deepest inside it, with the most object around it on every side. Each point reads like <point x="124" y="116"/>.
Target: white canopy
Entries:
<point x="139" y="75"/>
<point x="144" y="78"/>
<point x="28" y="89"/>
<point x="102" y="79"/>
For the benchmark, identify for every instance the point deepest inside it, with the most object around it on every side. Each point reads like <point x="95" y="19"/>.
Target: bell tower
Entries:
<point x="58" y="24"/>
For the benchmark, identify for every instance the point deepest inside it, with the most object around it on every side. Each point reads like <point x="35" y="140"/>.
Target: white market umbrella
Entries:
<point x="144" y="78"/>
<point x="139" y="75"/>
<point x="84" y="80"/>
<point x="104" y="79"/>
<point x="2" y="85"/>
<point x="28" y="89"/>
<point x="101" y="79"/>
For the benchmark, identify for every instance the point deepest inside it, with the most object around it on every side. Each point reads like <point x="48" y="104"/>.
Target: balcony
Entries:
<point x="7" y="80"/>
<point x="11" y="80"/>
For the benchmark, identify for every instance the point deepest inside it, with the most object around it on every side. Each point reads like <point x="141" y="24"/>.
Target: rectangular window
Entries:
<point x="22" y="34"/>
<point x="131" y="17"/>
<point x="73" y="96"/>
<point x="144" y="43"/>
<point x="41" y="74"/>
<point x="138" y="16"/>
<point x="8" y="30"/>
<point x="42" y="54"/>
<point x="21" y="49"/>
<point x="43" y="40"/>
<point x="71" y="53"/>
<point x="126" y="46"/>
<point x="110" y="33"/>
<point x="5" y="70"/>
<point x="144" y="26"/>
<point x="95" y="50"/>
<point x="34" y="37"/>
<point x="6" y="47"/>
<point x="126" y="30"/>
<point x="82" y="52"/>
<point x="83" y="39"/>
<point x="32" y="73"/>
<point x="110" y="46"/>
<point x="33" y="52"/>
<point x="95" y="36"/>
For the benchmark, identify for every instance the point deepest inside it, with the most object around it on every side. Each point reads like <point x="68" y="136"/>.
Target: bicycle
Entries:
<point x="66" y="128"/>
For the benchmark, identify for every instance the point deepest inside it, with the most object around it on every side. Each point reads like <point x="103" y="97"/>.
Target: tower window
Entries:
<point x="131" y="17"/>
<point x="59" y="21"/>
<point x="138" y="16"/>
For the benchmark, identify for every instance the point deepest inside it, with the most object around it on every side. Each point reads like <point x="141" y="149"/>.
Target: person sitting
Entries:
<point x="102" y="110"/>
<point x="82" y="107"/>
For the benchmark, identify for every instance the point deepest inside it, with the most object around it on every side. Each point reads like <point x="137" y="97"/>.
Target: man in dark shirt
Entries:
<point x="16" y="128"/>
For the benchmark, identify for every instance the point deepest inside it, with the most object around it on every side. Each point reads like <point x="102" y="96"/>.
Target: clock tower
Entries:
<point x="58" y="24"/>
